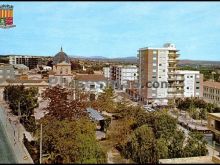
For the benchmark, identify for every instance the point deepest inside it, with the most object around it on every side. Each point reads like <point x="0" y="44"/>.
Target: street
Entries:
<point x="6" y="152"/>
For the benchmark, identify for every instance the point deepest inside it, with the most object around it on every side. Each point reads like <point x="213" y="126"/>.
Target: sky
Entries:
<point x="113" y="29"/>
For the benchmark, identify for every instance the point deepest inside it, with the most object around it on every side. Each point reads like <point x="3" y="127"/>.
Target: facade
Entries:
<point x="61" y="73"/>
<point x="29" y="61"/>
<point x="106" y="72"/>
<point x="192" y="83"/>
<point x="120" y="75"/>
<point x="6" y="72"/>
<point x="211" y="92"/>
<point x="41" y="84"/>
<point x="159" y="79"/>
<point x="214" y="125"/>
<point x="91" y="83"/>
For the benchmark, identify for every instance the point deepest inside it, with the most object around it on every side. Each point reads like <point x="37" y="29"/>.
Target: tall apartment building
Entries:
<point x="29" y="61"/>
<point x="158" y="76"/>
<point x="120" y="75"/>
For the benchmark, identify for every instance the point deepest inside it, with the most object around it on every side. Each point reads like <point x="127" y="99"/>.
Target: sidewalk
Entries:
<point x="15" y="131"/>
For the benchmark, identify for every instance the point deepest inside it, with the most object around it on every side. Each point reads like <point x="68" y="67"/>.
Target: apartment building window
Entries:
<point x="197" y="87"/>
<point x="92" y="86"/>
<point x="160" y="64"/>
<point x="187" y="87"/>
<point x="64" y="80"/>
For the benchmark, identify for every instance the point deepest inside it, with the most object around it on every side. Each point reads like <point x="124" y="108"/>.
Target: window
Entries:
<point x="187" y="87"/>
<point x="101" y="86"/>
<point x="160" y="64"/>
<point x="197" y="87"/>
<point x="64" y="80"/>
<point x="191" y="76"/>
<point x="92" y="86"/>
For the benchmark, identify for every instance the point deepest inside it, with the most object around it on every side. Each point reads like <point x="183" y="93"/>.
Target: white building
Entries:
<point x="106" y="72"/>
<point x="159" y="79"/>
<point x="92" y="83"/>
<point x="120" y="75"/>
<point x="192" y="83"/>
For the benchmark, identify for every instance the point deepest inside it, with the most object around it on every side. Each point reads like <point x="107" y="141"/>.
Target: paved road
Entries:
<point x="6" y="152"/>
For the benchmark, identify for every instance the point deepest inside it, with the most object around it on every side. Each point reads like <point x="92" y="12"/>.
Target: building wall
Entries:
<point x="98" y="86"/>
<point x="106" y="72"/>
<point x="211" y="94"/>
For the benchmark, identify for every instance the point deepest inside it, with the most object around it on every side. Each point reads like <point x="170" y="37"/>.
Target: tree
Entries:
<point x="74" y="141"/>
<point x="105" y="101"/>
<point x="141" y="147"/>
<point x="196" y="145"/>
<point x="24" y="100"/>
<point x="62" y="106"/>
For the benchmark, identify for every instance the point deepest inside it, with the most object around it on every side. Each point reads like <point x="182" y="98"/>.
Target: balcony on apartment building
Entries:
<point x="177" y="84"/>
<point x="180" y="78"/>
<point x="171" y="66"/>
<point x="173" y="60"/>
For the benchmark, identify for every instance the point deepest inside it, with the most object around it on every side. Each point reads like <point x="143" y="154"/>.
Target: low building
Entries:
<point x="192" y="160"/>
<point x="211" y="92"/>
<point x="41" y="84"/>
<point x="92" y="83"/>
<point x="20" y="69"/>
<point x="214" y="125"/>
<point x="6" y="72"/>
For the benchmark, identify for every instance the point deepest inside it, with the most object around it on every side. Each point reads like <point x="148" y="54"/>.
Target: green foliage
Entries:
<point x="141" y="146"/>
<point x="74" y="140"/>
<point x="197" y="107"/>
<point x="25" y="99"/>
<point x="105" y="101"/>
<point x="196" y="145"/>
<point x="152" y="136"/>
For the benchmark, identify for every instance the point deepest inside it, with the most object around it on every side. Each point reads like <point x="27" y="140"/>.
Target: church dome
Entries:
<point x="61" y="57"/>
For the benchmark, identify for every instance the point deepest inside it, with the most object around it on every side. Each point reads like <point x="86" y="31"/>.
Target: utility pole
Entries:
<point x="40" y="143"/>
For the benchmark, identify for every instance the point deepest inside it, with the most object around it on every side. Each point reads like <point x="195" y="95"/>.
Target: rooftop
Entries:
<point x="94" y="114"/>
<point x="188" y="160"/>
<point x="90" y="77"/>
<point x="215" y="114"/>
<point x="211" y="84"/>
<point x="60" y="57"/>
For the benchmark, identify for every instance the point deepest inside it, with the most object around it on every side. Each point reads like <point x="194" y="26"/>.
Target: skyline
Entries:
<point x="113" y="29"/>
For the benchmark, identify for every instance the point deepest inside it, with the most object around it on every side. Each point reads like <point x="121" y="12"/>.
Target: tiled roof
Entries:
<point x="90" y="77"/>
<point x="211" y="84"/>
<point x="24" y="81"/>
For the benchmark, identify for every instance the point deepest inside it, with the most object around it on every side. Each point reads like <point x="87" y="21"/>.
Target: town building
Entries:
<point x="92" y="83"/>
<point x="215" y="159"/>
<point x="61" y="73"/>
<point x="211" y="92"/>
<point x="121" y="74"/>
<point x="106" y="72"/>
<point x="40" y="84"/>
<point x="29" y="61"/>
<point x="214" y="125"/>
<point x="192" y="84"/>
<point x="7" y="71"/>
<point x="159" y="79"/>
